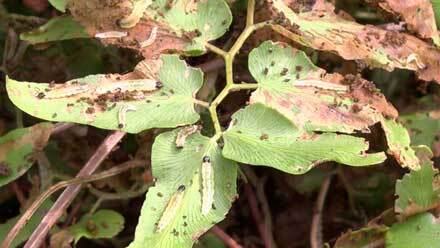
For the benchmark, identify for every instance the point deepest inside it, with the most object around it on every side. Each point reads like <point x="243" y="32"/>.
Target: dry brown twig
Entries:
<point x="75" y="181"/>
<point x="316" y="228"/>
<point x="225" y="237"/>
<point x="49" y="220"/>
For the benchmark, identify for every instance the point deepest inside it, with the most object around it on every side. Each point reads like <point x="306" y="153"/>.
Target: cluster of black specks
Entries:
<point x="265" y="71"/>
<point x="284" y="72"/>
<point x="264" y="136"/>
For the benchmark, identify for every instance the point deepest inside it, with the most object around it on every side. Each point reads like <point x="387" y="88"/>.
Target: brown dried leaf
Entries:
<point x="418" y="14"/>
<point x="324" y="30"/>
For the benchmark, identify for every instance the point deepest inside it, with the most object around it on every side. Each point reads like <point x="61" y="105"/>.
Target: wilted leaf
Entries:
<point x="365" y="237"/>
<point x="324" y="30"/>
<point x="418" y="191"/>
<point x="418" y="14"/>
<point x="424" y="127"/>
<point x="260" y="135"/>
<point x="310" y="98"/>
<point x="59" y="4"/>
<point x="17" y="149"/>
<point x="58" y="28"/>
<point x="399" y="144"/>
<point x="102" y="224"/>
<point x="103" y="101"/>
<point x="29" y="228"/>
<point x="179" y="188"/>
<point x="181" y="25"/>
<point x="419" y="231"/>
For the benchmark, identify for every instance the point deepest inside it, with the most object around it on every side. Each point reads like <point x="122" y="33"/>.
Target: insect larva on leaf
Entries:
<point x="184" y="133"/>
<point x="130" y="85"/>
<point x="110" y="34"/>
<point x="122" y="114"/>
<point x="150" y="39"/>
<point x="320" y="84"/>
<point x="139" y="7"/>
<point x="171" y="208"/>
<point x="207" y="185"/>
<point x="64" y="91"/>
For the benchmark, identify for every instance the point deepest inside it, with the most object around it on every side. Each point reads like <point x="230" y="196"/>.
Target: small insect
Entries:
<point x="122" y="114"/>
<point x="184" y="133"/>
<point x="139" y="7"/>
<point x="320" y="84"/>
<point x="63" y="91"/>
<point x="171" y="208"/>
<point x="207" y="185"/>
<point x="150" y="39"/>
<point x="110" y="34"/>
<point x="129" y="85"/>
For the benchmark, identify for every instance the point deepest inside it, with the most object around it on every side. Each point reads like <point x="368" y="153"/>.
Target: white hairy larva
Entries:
<point x="207" y="185"/>
<point x="171" y="208"/>
<point x="415" y="58"/>
<point x="129" y="85"/>
<point x="139" y="7"/>
<point x="184" y="133"/>
<point x="110" y="34"/>
<point x="150" y="39"/>
<point x="122" y="114"/>
<point x="320" y="84"/>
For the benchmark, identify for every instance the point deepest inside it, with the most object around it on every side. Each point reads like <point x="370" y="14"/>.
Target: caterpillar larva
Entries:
<point x="184" y="133"/>
<point x="129" y="85"/>
<point x="320" y="84"/>
<point x="150" y="39"/>
<point x="171" y="208"/>
<point x="66" y="90"/>
<point x="110" y="34"/>
<point x="207" y="185"/>
<point x="139" y="7"/>
<point x="122" y="114"/>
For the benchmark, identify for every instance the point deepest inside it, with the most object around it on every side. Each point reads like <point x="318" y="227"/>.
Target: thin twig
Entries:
<point x="225" y="237"/>
<point x="316" y="229"/>
<point x="256" y="214"/>
<point x="69" y="193"/>
<point x="75" y="181"/>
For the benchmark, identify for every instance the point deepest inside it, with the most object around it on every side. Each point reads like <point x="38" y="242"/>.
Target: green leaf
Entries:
<point x="311" y="99"/>
<point x="170" y="106"/>
<point x="29" y="228"/>
<point x="59" y="4"/>
<point x="399" y="144"/>
<point x="174" y="167"/>
<point x="362" y="238"/>
<point x="261" y="136"/>
<point x="102" y="224"/>
<point x="17" y="149"/>
<point x="423" y="127"/>
<point x="58" y="28"/>
<point x="325" y="30"/>
<point x="419" y="231"/>
<point x="211" y="19"/>
<point x="418" y="191"/>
